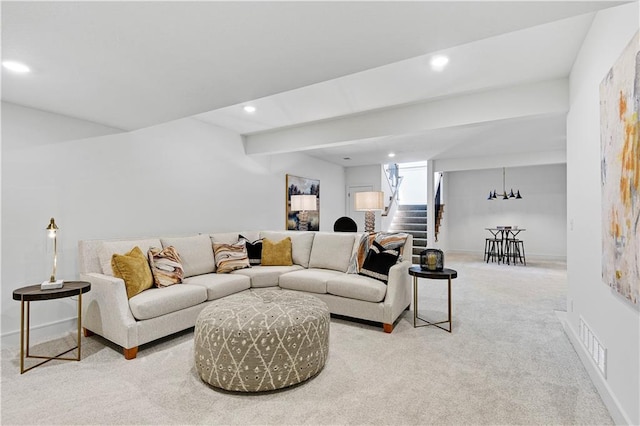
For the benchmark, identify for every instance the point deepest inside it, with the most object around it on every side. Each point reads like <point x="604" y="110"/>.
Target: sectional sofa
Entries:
<point x="320" y="260"/>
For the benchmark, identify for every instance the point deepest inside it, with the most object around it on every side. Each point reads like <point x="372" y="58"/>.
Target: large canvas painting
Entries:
<point x="297" y="185"/>
<point x="620" y="173"/>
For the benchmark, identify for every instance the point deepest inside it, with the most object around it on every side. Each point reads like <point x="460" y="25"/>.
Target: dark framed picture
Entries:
<point x="300" y="220"/>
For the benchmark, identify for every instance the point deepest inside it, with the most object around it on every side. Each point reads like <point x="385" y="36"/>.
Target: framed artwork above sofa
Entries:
<point x="297" y="185"/>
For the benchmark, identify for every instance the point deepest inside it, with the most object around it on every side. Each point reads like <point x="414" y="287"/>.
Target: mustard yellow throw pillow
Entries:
<point x="134" y="269"/>
<point x="276" y="253"/>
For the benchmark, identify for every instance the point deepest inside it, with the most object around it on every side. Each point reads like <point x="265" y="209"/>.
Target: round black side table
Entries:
<point x="446" y="274"/>
<point x="32" y="293"/>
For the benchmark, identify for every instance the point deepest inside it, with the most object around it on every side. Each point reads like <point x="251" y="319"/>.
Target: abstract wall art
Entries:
<point x="620" y="173"/>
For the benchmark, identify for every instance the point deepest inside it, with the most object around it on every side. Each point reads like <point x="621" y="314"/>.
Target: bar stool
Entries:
<point x="492" y="249"/>
<point x="520" y="250"/>
<point x="515" y="251"/>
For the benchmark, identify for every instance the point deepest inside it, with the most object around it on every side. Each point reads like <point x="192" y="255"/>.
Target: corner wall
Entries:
<point x="178" y="178"/>
<point x="615" y="322"/>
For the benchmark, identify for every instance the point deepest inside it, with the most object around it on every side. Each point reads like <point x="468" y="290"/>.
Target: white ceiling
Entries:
<point x="135" y="64"/>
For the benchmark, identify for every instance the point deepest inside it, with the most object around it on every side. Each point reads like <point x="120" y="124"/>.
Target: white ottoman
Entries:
<point x="261" y="339"/>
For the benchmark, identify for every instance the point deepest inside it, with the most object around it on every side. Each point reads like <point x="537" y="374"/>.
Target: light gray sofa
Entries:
<point x="320" y="263"/>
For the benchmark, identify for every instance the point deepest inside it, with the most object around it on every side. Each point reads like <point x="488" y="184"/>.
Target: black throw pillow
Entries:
<point x="254" y="250"/>
<point x="378" y="262"/>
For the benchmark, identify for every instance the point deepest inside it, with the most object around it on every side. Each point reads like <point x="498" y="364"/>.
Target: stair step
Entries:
<point x="421" y="216"/>
<point x="411" y="213"/>
<point x="420" y="235"/>
<point x="409" y="227"/>
<point x="419" y="242"/>
<point x="409" y="219"/>
<point x="418" y="250"/>
<point x="412" y="207"/>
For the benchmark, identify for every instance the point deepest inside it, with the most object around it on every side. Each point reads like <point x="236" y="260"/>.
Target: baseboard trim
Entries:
<point x="616" y="411"/>
<point x="529" y="255"/>
<point x="40" y="333"/>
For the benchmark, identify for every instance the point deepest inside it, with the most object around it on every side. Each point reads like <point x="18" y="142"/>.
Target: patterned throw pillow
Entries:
<point x="230" y="257"/>
<point x="254" y="250"/>
<point x="134" y="270"/>
<point x="378" y="262"/>
<point x="166" y="266"/>
<point x="277" y="253"/>
<point x="386" y="240"/>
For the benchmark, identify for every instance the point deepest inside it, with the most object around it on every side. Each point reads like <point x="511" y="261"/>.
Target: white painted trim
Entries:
<point x="608" y="397"/>
<point x="40" y="333"/>
<point x="529" y="255"/>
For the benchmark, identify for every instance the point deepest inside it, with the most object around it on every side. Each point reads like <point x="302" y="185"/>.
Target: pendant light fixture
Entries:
<point x="504" y="195"/>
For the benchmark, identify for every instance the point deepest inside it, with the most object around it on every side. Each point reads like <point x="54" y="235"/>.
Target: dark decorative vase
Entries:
<point x="432" y="260"/>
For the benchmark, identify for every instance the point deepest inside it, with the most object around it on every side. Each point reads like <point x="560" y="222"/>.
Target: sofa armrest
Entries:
<point x="107" y="312"/>
<point x="398" y="291"/>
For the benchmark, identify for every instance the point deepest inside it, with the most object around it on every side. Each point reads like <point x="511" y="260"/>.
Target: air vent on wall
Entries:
<point x="594" y="348"/>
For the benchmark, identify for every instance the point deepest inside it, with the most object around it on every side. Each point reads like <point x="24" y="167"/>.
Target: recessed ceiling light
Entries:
<point x="438" y="62"/>
<point x="16" y="66"/>
<point x="391" y="155"/>
<point x="249" y="109"/>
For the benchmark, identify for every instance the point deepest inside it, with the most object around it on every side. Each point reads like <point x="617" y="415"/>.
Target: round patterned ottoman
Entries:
<point x="261" y="339"/>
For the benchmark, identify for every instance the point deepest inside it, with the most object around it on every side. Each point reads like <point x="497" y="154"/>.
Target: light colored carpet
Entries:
<point x="507" y="361"/>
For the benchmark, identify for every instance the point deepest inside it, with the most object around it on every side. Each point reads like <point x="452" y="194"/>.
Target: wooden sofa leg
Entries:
<point x="388" y="328"/>
<point x="130" y="353"/>
<point x="87" y="332"/>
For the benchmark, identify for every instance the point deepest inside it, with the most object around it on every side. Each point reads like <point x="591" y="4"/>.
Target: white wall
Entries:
<point x="614" y="321"/>
<point x="414" y="184"/>
<point x="181" y="177"/>
<point x="364" y="176"/>
<point x="542" y="210"/>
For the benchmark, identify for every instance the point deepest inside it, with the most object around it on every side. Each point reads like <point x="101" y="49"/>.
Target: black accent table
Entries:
<point x="33" y="293"/>
<point x="446" y="274"/>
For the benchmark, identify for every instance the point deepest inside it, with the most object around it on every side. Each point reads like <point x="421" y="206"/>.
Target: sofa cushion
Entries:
<point x="133" y="268"/>
<point x="155" y="302"/>
<point x="378" y="262"/>
<point x="166" y="266"/>
<point x="230" y="257"/>
<point x="266" y="276"/>
<point x="300" y="244"/>
<point x="254" y="250"/>
<point x="220" y="285"/>
<point x="108" y="248"/>
<point x="196" y="253"/>
<point x="331" y="251"/>
<point x="232" y="237"/>
<point x="357" y="287"/>
<point x="276" y="253"/>
<point x="311" y="280"/>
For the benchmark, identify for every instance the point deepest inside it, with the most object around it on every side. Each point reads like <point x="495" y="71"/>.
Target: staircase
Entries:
<point x="412" y="219"/>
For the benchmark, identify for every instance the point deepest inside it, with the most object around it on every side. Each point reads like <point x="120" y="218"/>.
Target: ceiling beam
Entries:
<point x="500" y="160"/>
<point x="546" y="97"/>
